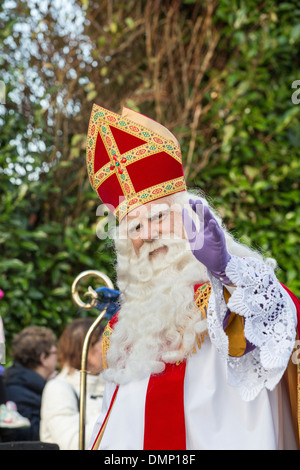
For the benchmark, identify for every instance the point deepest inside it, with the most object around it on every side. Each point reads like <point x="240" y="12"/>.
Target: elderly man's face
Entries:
<point x="152" y="221"/>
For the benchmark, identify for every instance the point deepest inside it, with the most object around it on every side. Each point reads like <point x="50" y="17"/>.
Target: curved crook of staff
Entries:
<point x="83" y="371"/>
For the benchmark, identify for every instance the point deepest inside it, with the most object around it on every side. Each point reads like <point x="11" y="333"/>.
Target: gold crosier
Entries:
<point x="83" y="372"/>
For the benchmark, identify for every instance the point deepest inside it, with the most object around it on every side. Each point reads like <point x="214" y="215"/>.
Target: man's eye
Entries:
<point x="160" y="215"/>
<point x="135" y="229"/>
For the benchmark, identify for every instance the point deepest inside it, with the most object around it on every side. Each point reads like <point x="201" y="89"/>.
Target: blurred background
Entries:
<point x="218" y="74"/>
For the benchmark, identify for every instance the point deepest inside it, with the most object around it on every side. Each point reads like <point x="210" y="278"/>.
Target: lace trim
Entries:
<point x="270" y="324"/>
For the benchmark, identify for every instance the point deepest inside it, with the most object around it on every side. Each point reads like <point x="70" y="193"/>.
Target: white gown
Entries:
<point x="215" y="415"/>
<point x="238" y="403"/>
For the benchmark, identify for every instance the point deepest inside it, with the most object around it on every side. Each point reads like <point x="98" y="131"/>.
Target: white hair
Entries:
<point x="158" y="318"/>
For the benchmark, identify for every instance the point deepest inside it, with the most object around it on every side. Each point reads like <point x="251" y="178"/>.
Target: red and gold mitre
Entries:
<point x="131" y="160"/>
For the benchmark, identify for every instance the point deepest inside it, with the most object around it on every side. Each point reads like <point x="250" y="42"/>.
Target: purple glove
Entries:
<point x="208" y="245"/>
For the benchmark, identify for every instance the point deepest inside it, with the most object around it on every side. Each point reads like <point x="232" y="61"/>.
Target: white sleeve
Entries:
<point x="270" y="324"/>
<point x="60" y="415"/>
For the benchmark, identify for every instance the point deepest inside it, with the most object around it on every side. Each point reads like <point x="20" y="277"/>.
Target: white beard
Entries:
<point x="158" y="320"/>
<point x="158" y="317"/>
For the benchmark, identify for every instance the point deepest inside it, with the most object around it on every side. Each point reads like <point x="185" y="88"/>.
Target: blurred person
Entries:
<point x="200" y="353"/>
<point x="9" y="416"/>
<point x="35" y="358"/>
<point x="2" y="336"/>
<point x="60" y="401"/>
<point x="2" y="361"/>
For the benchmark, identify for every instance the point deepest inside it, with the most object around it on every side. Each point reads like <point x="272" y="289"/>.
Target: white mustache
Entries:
<point x="149" y="247"/>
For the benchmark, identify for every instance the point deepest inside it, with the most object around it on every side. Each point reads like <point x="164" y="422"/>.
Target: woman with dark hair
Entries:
<point x="60" y="401"/>
<point x="35" y="357"/>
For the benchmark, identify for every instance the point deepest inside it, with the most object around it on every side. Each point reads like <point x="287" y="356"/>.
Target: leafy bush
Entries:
<point x="219" y="75"/>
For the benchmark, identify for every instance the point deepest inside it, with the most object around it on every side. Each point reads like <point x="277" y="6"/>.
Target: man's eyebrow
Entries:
<point x="156" y="209"/>
<point x="133" y="223"/>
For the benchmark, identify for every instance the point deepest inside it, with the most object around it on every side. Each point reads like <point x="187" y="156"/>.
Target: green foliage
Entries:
<point x="254" y="175"/>
<point x="48" y="216"/>
<point x="42" y="256"/>
<point x="219" y="77"/>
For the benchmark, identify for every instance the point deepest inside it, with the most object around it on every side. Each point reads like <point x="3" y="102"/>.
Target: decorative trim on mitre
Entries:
<point x="148" y="195"/>
<point x="149" y="144"/>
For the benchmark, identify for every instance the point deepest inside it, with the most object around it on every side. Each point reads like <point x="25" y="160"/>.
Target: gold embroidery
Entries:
<point x="101" y="121"/>
<point x="105" y="344"/>
<point x="202" y="295"/>
<point x="149" y="194"/>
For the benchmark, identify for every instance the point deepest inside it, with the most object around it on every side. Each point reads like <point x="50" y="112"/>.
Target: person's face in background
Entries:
<point x="94" y="359"/>
<point x="48" y="363"/>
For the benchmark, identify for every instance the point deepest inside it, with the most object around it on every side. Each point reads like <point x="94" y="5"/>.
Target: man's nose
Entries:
<point x="149" y="232"/>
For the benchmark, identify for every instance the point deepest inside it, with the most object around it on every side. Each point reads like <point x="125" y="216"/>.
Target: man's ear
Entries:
<point x="43" y="356"/>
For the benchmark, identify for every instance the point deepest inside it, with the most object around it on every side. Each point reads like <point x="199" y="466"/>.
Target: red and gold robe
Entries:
<point x="168" y="421"/>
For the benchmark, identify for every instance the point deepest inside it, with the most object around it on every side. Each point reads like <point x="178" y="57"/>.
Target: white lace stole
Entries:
<point x="270" y="324"/>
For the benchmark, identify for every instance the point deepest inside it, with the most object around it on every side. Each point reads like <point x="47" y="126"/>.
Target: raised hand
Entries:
<point x="207" y="244"/>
